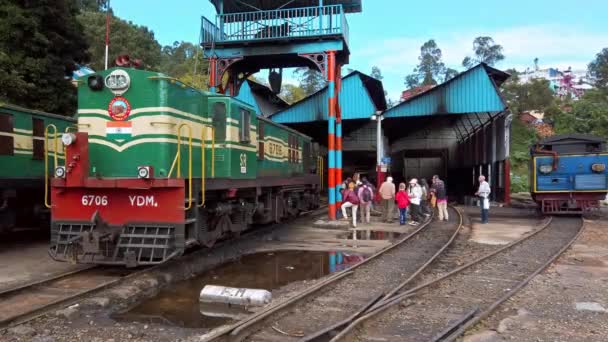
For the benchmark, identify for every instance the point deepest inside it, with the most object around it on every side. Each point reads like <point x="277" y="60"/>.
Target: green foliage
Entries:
<point x="534" y="95"/>
<point x="449" y="74"/>
<point x="486" y="51"/>
<point x="598" y="68"/>
<point x="126" y="38"/>
<point x="311" y="80"/>
<point x="184" y="61"/>
<point x="292" y="93"/>
<point x="430" y="68"/>
<point x="522" y="137"/>
<point x="93" y="5"/>
<point x="40" y="44"/>
<point x="589" y="115"/>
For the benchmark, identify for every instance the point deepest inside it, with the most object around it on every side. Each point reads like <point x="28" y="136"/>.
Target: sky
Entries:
<point x="389" y="33"/>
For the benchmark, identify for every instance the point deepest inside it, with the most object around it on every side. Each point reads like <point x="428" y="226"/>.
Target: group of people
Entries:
<point x="417" y="197"/>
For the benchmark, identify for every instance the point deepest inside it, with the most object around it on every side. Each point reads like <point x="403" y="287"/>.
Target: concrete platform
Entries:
<point x="506" y="225"/>
<point x="24" y="259"/>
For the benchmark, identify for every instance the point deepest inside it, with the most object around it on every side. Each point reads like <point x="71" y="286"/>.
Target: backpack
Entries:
<point x="366" y="196"/>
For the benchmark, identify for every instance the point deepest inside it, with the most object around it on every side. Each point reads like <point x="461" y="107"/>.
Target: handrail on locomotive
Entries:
<point x="178" y="160"/>
<point x="46" y="160"/>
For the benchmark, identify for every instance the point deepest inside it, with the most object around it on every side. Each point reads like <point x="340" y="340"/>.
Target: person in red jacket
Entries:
<point x="403" y="201"/>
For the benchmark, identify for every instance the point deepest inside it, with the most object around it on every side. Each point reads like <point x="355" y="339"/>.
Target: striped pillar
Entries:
<point x="212" y="74"/>
<point x="331" y="135"/>
<point x="338" y="135"/>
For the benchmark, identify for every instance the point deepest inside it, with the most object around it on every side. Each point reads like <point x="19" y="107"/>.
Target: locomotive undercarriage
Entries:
<point x="224" y="214"/>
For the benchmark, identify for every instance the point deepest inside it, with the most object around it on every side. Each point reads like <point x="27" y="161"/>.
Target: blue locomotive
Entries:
<point x="568" y="173"/>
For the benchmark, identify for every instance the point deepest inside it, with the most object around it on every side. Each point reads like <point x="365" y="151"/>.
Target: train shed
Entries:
<point x="458" y="129"/>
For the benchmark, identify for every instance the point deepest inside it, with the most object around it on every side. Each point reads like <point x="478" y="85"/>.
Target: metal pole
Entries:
<point x="331" y="136"/>
<point x="212" y="74"/>
<point x="379" y="140"/>
<point x="107" y="33"/>
<point x="338" y="113"/>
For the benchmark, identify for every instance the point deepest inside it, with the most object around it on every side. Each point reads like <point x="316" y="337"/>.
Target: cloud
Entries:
<point x="553" y="45"/>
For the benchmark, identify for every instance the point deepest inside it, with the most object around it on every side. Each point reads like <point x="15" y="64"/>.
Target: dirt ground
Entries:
<point x="567" y="302"/>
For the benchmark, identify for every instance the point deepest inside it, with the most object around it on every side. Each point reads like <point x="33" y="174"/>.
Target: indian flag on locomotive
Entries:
<point x="118" y="130"/>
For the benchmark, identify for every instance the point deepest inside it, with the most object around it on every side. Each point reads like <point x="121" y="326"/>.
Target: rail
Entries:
<point x="320" y="171"/>
<point x="275" y="24"/>
<point x="46" y="160"/>
<point x="178" y="160"/>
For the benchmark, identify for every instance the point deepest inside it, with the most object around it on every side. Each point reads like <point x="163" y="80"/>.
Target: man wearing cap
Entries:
<point x="415" y="194"/>
<point x="387" y="192"/>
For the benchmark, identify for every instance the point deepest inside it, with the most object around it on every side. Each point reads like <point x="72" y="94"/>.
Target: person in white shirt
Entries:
<point x="415" y="194"/>
<point x="483" y="192"/>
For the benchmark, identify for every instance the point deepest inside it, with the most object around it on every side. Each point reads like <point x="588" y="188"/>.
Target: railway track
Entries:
<point x="443" y="308"/>
<point x="335" y="301"/>
<point x="21" y="304"/>
<point x="31" y="300"/>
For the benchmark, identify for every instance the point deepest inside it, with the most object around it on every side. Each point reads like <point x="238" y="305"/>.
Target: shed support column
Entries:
<point x="331" y="137"/>
<point x="338" y="113"/>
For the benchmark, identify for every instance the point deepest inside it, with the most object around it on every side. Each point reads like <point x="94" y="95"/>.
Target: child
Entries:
<point x="403" y="201"/>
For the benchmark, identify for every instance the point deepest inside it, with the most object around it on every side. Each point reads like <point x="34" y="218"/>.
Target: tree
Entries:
<point x="411" y="81"/>
<point x="311" y="80"/>
<point x="430" y="67"/>
<point x="93" y="5"/>
<point x="40" y="45"/>
<point x="184" y="61"/>
<point x="486" y="51"/>
<point x="292" y="93"/>
<point x="598" y="69"/>
<point x="534" y="95"/>
<point x="449" y="74"/>
<point x="126" y="38"/>
<point x="589" y="115"/>
<point x="376" y="73"/>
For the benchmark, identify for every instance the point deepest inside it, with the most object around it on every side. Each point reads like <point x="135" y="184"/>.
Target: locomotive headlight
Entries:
<point x="546" y="168"/>
<point x="598" y="167"/>
<point x="95" y="82"/>
<point x="60" y="172"/>
<point x="144" y="172"/>
<point x="68" y="138"/>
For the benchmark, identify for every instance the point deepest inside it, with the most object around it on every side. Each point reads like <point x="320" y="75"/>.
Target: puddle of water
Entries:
<point x="371" y="235"/>
<point x="179" y="305"/>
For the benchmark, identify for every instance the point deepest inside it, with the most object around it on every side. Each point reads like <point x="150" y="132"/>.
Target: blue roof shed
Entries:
<point x="360" y="97"/>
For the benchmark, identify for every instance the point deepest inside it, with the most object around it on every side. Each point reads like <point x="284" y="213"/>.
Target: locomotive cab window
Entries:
<point x="6" y="141"/>
<point x="218" y="113"/>
<point x="38" y="136"/>
<point x="245" y="128"/>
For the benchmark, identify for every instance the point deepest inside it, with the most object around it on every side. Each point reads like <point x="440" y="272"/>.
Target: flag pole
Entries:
<point x="107" y="32"/>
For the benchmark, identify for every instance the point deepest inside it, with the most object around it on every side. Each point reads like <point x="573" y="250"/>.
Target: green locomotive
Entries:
<point x="22" y="156"/>
<point x="157" y="167"/>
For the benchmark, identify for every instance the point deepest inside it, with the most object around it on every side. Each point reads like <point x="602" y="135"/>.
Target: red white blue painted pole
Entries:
<point x="338" y="82"/>
<point x="331" y="135"/>
<point x="212" y="74"/>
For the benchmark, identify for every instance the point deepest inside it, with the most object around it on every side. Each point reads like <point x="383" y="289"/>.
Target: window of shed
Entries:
<point x="6" y="137"/>
<point x="245" y="128"/>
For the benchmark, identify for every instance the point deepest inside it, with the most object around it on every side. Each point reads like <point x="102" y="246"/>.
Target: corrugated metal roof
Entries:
<point x="360" y="97"/>
<point x="472" y="91"/>
<point x="261" y="98"/>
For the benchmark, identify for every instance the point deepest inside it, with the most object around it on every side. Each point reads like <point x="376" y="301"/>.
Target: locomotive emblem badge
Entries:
<point x="119" y="108"/>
